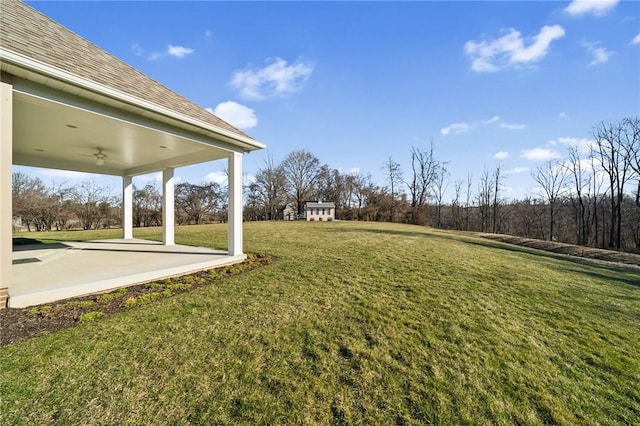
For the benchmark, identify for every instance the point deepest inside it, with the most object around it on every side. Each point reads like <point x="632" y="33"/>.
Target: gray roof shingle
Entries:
<point x="26" y="31"/>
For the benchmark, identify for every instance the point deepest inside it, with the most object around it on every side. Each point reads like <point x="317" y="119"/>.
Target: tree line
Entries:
<point x="88" y="205"/>
<point x="591" y="198"/>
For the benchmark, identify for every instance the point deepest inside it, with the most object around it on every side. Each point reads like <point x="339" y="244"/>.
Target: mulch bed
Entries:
<point x="26" y="323"/>
<point x="609" y="256"/>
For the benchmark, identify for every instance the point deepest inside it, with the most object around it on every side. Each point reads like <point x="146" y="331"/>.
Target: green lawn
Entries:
<point x="355" y="323"/>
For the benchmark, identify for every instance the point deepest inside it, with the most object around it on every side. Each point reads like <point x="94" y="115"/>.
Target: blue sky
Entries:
<point x="509" y="83"/>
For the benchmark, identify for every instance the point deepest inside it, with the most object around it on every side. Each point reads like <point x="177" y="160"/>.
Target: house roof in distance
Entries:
<point x="316" y="205"/>
<point x="31" y="39"/>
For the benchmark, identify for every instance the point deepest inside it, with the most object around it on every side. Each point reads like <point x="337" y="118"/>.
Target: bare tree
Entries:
<point x="631" y="144"/>
<point x="196" y="203"/>
<point x="270" y="189"/>
<point x="147" y="205"/>
<point x="329" y="184"/>
<point x="456" y="213"/>
<point x="484" y="199"/>
<point x="424" y="168"/>
<point x="467" y="204"/>
<point x="301" y="170"/>
<point x="393" y="173"/>
<point x="497" y="186"/>
<point x="31" y="201"/>
<point x="581" y="182"/>
<point x="88" y="198"/>
<point x="551" y="177"/>
<point x="438" y="189"/>
<point x="362" y="189"/>
<point x="615" y="161"/>
<point x="62" y="194"/>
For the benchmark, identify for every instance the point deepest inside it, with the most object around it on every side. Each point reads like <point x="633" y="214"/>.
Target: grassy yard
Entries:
<point x="355" y="323"/>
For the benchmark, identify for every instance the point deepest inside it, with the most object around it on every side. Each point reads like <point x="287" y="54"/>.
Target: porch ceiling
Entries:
<point x="64" y="134"/>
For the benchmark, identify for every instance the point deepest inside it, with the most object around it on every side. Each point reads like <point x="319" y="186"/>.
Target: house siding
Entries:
<point x="321" y="212"/>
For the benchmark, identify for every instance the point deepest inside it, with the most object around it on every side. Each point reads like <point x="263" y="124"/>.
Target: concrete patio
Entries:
<point x="43" y="273"/>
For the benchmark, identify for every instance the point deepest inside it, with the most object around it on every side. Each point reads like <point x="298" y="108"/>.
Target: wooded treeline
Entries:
<point x="591" y="198"/>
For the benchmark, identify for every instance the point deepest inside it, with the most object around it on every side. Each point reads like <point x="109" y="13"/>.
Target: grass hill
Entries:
<point x="355" y="323"/>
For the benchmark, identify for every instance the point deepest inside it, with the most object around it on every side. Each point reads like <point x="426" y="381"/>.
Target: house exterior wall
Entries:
<point x="321" y="212"/>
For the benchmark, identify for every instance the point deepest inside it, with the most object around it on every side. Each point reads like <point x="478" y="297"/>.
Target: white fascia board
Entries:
<point x="45" y="69"/>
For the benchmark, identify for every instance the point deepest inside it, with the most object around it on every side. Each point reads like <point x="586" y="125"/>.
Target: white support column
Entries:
<point x="168" y="213"/>
<point x="127" y="207"/>
<point x="6" y="208"/>
<point x="235" y="204"/>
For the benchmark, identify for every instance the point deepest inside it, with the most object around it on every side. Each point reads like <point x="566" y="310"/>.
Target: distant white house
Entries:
<point x="290" y="212"/>
<point x="320" y="211"/>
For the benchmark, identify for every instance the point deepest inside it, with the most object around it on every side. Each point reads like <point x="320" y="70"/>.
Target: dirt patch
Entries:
<point x="26" y="323"/>
<point x="607" y="256"/>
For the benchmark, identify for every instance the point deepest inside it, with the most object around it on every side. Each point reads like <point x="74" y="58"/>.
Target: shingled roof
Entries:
<point x="27" y="32"/>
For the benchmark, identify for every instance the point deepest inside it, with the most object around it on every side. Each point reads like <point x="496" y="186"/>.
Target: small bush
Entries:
<point x="90" y="316"/>
<point x="179" y="287"/>
<point x="40" y="310"/>
<point x="79" y="304"/>
<point x="155" y="286"/>
<point x="141" y="299"/>
<point x="114" y="295"/>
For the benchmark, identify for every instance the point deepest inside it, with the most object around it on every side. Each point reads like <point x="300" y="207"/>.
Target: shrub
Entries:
<point x="155" y="286"/>
<point x="114" y="295"/>
<point x="178" y="287"/>
<point x="40" y="310"/>
<point x="90" y="316"/>
<point x="79" y="304"/>
<point x="141" y="299"/>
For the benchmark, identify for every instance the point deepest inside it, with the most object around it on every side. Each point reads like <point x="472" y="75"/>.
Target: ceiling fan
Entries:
<point x="100" y="157"/>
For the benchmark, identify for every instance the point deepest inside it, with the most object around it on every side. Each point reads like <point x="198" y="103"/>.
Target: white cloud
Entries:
<point x="139" y="51"/>
<point x="218" y="177"/>
<point x="236" y="114"/>
<point x="178" y="51"/>
<point x="512" y="126"/>
<point x="493" y="119"/>
<point x="594" y="7"/>
<point x="636" y="39"/>
<point x="174" y="51"/>
<point x="539" y="154"/>
<point x="455" y="128"/>
<point x="584" y="145"/>
<point x="501" y="155"/>
<point x="510" y="49"/>
<point x="562" y="115"/>
<point x="516" y="170"/>
<point x="600" y="54"/>
<point x="276" y="79"/>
